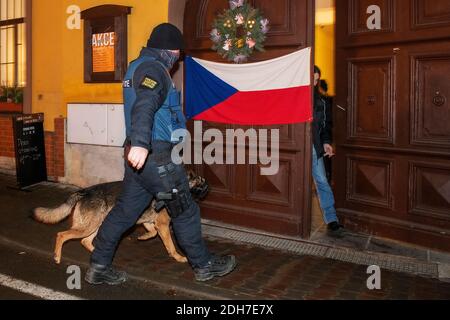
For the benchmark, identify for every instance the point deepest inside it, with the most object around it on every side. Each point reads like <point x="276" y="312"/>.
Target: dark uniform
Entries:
<point x="153" y="113"/>
<point x="149" y="119"/>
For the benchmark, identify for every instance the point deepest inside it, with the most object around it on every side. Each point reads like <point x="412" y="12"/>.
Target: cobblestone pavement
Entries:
<point x="261" y="273"/>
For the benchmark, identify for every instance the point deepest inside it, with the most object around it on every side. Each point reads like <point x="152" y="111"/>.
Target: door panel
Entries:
<point x="290" y="24"/>
<point x="393" y="140"/>
<point x="358" y="15"/>
<point x="430" y="13"/>
<point x="401" y="21"/>
<point x="370" y="181"/>
<point x="430" y="89"/>
<point x="239" y="194"/>
<point x="371" y="90"/>
<point x="430" y="189"/>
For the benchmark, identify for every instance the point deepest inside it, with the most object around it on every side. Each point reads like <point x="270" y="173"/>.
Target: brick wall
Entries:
<point x="6" y="138"/>
<point x="54" y="145"/>
<point x="54" y="150"/>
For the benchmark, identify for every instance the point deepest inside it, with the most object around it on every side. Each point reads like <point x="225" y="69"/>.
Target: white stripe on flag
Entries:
<point x="34" y="289"/>
<point x="289" y="71"/>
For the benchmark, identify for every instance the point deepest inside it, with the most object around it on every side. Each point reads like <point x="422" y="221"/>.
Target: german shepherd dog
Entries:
<point x="89" y="207"/>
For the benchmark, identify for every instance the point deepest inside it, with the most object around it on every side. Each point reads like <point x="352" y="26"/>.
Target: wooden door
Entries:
<point x="392" y="170"/>
<point x="240" y="195"/>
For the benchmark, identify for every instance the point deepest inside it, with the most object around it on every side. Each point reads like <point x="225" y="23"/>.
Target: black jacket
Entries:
<point x="149" y="98"/>
<point x="322" y="123"/>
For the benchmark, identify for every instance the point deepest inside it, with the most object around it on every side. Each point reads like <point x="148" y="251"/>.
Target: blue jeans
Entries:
<point x="324" y="191"/>
<point x="138" y="190"/>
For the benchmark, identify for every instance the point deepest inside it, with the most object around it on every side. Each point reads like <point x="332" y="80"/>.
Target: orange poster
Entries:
<point x="103" y="52"/>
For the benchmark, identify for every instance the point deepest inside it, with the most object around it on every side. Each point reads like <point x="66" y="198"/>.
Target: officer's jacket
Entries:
<point x="148" y="94"/>
<point x="322" y="123"/>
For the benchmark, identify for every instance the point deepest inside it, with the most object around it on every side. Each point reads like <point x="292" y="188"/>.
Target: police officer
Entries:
<point x="152" y="114"/>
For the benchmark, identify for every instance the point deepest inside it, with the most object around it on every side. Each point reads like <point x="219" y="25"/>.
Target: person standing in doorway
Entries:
<point x="323" y="85"/>
<point x="321" y="131"/>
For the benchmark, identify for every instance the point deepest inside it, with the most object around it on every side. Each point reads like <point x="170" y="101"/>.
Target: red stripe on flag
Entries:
<point x="270" y="107"/>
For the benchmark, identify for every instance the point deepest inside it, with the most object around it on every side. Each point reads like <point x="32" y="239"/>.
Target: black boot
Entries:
<point x="217" y="267"/>
<point x="98" y="274"/>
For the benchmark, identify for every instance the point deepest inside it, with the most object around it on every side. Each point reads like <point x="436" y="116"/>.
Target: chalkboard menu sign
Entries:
<point x="30" y="149"/>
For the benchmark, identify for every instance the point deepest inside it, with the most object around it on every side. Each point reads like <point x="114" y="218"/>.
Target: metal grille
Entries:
<point x="301" y="247"/>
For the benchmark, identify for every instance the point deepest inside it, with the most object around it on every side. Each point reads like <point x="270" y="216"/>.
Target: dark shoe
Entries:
<point x="334" y="226"/>
<point x="336" y="229"/>
<point x="217" y="267"/>
<point x="98" y="274"/>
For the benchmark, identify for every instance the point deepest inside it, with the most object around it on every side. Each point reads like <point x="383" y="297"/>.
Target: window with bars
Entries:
<point x="12" y="43"/>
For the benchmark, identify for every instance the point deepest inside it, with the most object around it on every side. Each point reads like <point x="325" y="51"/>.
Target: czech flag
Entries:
<point x="271" y="92"/>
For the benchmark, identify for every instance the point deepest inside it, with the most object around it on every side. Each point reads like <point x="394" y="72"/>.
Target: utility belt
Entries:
<point x="161" y="157"/>
<point x="161" y="154"/>
<point x="178" y="199"/>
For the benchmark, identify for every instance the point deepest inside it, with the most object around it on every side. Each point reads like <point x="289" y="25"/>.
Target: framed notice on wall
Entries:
<point x="103" y="52"/>
<point x="105" y="43"/>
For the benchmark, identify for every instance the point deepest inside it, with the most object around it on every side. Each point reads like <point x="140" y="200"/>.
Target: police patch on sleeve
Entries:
<point x="149" y="83"/>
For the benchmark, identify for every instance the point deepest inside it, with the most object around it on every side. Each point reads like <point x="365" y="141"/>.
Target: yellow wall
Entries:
<point x="58" y="54"/>
<point x="325" y="55"/>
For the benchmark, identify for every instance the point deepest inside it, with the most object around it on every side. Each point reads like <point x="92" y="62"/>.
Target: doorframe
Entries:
<point x="307" y="185"/>
<point x="176" y="17"/>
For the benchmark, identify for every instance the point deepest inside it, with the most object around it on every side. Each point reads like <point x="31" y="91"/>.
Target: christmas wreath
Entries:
<point x="238" y="31"/>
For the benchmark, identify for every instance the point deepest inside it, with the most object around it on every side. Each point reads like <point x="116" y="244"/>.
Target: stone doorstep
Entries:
<point x="300" y="246"/>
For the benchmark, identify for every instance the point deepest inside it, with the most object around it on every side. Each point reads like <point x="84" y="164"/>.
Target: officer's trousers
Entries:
<point x="138" y="190"/>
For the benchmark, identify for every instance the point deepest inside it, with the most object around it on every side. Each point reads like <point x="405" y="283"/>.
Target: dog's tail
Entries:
<point x="53" y="216"/>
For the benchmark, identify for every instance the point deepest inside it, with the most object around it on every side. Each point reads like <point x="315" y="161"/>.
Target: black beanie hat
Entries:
<point x="166" y="36"/>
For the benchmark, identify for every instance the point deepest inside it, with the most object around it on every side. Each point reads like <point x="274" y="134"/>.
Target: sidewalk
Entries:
<point x="262" y="273"/>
